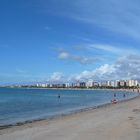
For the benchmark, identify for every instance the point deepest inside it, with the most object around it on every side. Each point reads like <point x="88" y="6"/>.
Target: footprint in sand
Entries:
<point x="137" y="111"/>
<point x="136" y="126"/>
<point x="131" y="118"/>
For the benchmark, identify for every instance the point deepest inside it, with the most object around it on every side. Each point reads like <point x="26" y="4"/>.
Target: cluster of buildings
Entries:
<point x="93" y="84"/>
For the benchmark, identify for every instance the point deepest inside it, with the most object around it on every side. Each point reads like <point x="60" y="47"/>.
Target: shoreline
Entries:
<point x="118" y="122"/>
<point x="57" y="116"/>
<point x="137" y="90"/>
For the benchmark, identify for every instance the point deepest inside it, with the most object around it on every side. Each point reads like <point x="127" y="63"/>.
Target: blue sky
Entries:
<point x="51" y="40"/>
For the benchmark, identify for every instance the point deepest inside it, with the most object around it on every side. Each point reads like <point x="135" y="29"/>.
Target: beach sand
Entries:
<point x="119" y="121"/>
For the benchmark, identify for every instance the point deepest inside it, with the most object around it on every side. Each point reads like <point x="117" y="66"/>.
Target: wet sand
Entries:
<point x="119" y="121"/>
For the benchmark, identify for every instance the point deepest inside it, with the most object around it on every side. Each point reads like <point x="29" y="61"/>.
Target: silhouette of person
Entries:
<point x="124" y="95"/>
<point x="59" y="96"/>
<point x="114" y="94"/>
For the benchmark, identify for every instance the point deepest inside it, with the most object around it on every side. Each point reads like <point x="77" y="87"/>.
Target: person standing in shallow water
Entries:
<point x="114" y="94"/>
<point x="58" y="96"/>
<point x="59" y="99"/>
<point x="114" y="101"/>
<point x="124" y="95"/>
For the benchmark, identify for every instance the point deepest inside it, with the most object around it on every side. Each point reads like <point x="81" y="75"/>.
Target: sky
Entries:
<point x="69" y="40"/>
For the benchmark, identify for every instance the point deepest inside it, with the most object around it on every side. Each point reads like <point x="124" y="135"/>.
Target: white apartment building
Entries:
<point x="112" y="84"/>
<point x="131" y="83"/>
<point x="67" y="85"/>
<point x="89" y="84"/>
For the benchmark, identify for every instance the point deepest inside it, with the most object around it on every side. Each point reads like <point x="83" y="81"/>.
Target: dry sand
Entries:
<point x="113" y="122"/>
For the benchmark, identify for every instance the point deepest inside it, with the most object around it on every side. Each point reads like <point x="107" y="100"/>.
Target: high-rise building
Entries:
<point x="122" y="83"/>
<point x="112" y="84"/>
<point x="131" y="83"/>
<point x="89" y="84"/>
<point x="82" y="84"/>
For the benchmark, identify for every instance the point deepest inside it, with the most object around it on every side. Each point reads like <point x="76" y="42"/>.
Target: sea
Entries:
<point x="19" y="105"/>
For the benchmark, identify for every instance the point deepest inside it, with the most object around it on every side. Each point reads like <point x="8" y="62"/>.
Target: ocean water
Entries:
<point x="20" y="105"/>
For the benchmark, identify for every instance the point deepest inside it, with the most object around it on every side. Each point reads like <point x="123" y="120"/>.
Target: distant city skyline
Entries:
<point x="67" y="41"/>
<point x="85" y="84"/>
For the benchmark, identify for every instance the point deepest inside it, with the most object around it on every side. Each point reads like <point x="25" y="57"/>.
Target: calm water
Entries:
<point x="19" y="105"/>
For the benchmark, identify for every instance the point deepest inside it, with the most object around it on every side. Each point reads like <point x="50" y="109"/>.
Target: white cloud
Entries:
<point x="105" y="69"/>
<point x="115" y="16"/>
<point x="127" y="67"/>
<point x="63" y="55"/>
<point x="105" y="47"/>
<point x="101" y="73"/>
<point x="57" y="76"/>
<point x="114" y="49"/>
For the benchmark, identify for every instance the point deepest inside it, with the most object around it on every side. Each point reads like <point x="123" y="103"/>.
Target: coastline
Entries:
<point x="137" y="90"/>
<point x="67" y="114"/>
<point x="119" y="121"/>
<point x="71" y="112"/>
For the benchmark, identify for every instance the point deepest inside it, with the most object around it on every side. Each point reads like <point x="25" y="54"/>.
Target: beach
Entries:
<point x="119" y="121"/>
